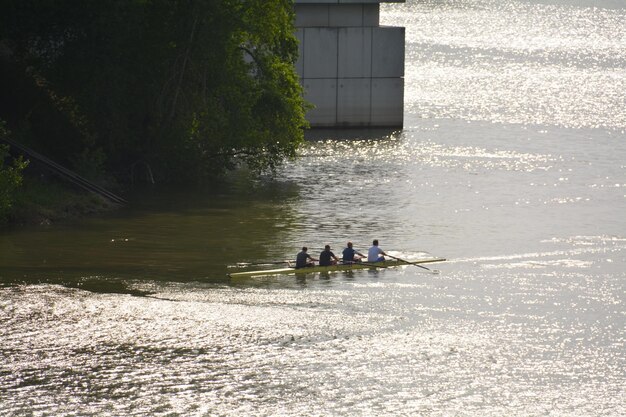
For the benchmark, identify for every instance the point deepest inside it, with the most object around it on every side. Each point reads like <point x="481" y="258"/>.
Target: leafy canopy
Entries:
<point x="188" y="87"/>
<point x="10" y="176"/>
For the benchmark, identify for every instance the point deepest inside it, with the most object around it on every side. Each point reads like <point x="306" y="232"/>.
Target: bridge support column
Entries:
<point x="351" y="68"/>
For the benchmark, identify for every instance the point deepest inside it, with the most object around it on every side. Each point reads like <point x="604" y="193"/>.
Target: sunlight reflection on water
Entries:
<point x="388" y="342"/>
<point x="515" y="62"/>
<point x="527" y="317"/>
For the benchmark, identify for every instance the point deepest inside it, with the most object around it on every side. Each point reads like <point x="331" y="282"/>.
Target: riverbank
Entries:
<point x="45" y="201"/>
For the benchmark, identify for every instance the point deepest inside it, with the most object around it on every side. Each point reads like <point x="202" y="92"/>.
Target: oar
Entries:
<point x="434" y="271"/>
<point x="242" y="264"/>
<point x="366" y="264"/>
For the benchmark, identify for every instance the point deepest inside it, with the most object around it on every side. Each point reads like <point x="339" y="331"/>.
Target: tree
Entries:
<point x="10" y="176"/>
<point x="189" y="87"/>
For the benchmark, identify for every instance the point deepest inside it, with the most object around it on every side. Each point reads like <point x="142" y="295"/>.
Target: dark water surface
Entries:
<point x="164" y="234"/>
<point x="512" y="165"/>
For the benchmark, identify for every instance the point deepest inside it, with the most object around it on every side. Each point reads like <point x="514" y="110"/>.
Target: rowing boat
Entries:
<point x="332" y="268"/>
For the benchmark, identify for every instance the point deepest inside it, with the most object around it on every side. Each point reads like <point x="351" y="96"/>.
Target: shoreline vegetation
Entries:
<point x="47" y="202"/>
<point x="133" y="91"/>
<point x="29" y="196"/>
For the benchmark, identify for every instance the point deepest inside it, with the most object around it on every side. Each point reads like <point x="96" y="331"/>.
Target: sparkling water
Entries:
<point x="512" y="165"/>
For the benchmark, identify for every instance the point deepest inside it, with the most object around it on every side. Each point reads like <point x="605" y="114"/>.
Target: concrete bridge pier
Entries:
<point x="351" y="68"/>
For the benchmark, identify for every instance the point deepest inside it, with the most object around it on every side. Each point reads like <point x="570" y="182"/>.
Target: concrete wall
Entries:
<point x="351" y="68"/>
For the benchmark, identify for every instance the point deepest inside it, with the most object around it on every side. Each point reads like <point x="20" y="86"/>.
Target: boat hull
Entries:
<point x="332" y="268"/>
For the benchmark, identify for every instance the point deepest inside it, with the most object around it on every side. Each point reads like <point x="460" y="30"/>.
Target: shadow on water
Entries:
<point x="97" y="284"/>
<point x="173" y="234"/>
<point x="350" y="134"/>
<point x="200" y="234"/>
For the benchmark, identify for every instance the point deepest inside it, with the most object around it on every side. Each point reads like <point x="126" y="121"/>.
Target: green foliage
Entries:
<point x="190" y="87"/>
<point x="41" y="201"/>
<point x="10" y="177"/>
<point x="90" y="164"/>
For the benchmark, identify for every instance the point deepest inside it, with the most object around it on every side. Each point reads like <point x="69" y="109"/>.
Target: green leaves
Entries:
<point x="10" y="176"/>
<point x="190" y="87"/>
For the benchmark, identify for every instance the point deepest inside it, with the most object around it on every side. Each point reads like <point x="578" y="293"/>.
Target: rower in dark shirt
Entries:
<point x="302" y="259"/>
<point x="348" y="254"/>
<point x="326" y="255"/>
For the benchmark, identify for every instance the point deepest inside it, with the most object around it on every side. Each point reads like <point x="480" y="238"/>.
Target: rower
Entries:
<point x="326" y="255"/>
<point x="348" y="255"/>
<point x="302" y="259"/>
<point x="375" y="254"/>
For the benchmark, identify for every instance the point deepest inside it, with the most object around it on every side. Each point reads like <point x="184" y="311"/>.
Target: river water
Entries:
<point x="512" y="165"/>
